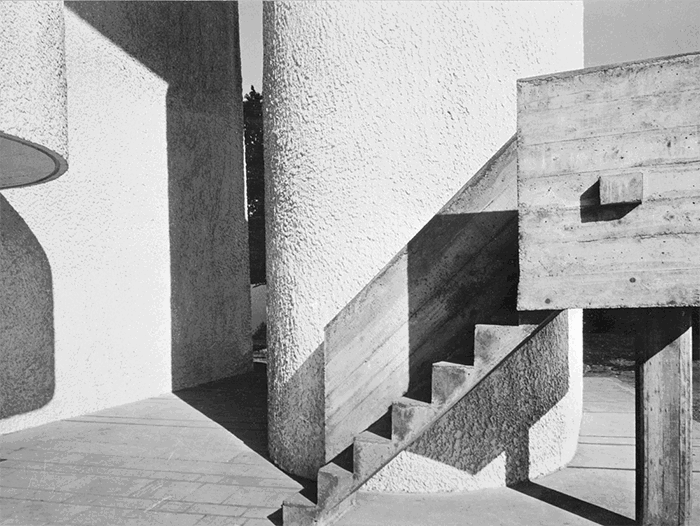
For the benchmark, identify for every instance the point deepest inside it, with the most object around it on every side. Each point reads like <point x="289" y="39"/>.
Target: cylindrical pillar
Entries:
<point x="33" y="123"/>
<point x="375" y="114"/>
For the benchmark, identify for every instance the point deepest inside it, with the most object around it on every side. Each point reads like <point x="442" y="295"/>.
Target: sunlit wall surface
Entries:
<point x="375" y="114"/>
<point x="145" y="234"/>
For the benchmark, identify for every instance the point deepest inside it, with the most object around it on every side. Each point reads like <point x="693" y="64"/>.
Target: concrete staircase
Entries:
<point x="410" y="418"/>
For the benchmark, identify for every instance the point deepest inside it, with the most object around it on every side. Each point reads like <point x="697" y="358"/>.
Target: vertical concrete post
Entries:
<point x="664" y="418"/>
<point x="375" y="114"/>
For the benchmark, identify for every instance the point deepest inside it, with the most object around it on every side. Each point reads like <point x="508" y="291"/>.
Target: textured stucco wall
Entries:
<point x="375" y="114"/>
<point x="33" y="81"/>
<point x="146" y="234"/>
<point x="520" y="423"/>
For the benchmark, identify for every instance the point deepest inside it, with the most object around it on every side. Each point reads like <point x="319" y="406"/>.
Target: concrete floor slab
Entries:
<point x="199" y="457"/>
<point x="598" y="486"/>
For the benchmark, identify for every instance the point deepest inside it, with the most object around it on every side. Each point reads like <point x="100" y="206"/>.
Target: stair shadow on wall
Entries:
<point x="27" y="376"/>
<point x="462" y="271"/>
<point x="473" y="259"/>
<point x="500" y="414"/>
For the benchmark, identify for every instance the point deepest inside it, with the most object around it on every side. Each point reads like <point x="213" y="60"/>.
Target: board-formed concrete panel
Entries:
<point x="33" y="120"/>
<point x="609" y="185"/>
<point x="376" y="113"/>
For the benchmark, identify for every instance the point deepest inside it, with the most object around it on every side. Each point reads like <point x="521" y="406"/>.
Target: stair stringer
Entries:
<point x="406" y="459"/>
<point x="519" y="422"/>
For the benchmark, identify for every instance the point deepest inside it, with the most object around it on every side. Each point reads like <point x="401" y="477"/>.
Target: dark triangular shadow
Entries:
<point x="573" y="505"/>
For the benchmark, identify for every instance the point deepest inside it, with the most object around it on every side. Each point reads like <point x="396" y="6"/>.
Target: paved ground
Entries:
<point x="596" y="488"/>
<point x="198" y="457"/>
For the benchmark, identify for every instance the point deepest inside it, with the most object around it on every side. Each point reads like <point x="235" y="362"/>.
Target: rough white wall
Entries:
<point x="520" y="423"/>
<point x="104" y="228"/>
<point x="33" y="81"/>
<point x="108" y="226"/>
<point x="375" y="114"/>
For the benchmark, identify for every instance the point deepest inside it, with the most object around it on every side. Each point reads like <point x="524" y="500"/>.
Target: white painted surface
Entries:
<point x="106" y="227"/>
<point x="376" y="113"/>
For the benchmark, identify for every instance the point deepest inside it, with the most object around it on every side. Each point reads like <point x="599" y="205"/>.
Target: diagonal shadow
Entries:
<point x="573" y="505"/>
<point x="239" y="405"/>
<point x="462" y="271"/>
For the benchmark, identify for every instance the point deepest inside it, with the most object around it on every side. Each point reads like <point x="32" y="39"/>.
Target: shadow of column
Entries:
<point x="27" y="375"/>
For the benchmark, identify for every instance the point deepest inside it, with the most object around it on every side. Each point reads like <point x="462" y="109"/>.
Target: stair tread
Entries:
<point x="333" y="469"/>
<point x="298" y="500"/>
<point x="369" y="437"/>
<point x="452" y="365"/>
<point x="405" y="402"/>
<point x="515" y="328"/>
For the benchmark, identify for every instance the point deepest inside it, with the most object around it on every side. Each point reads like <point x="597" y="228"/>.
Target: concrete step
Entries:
<point x="334" y="484"/>
<point x="297" y="510"/>
<point x="408" y="417"/>
<point x="370" y="453"/>
<point x="493" y="342"/>
<point x="450" y="381"/>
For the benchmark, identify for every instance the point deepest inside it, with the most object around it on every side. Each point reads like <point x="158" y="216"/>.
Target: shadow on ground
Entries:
<point x="239" y="405"/>
<point x="579" y="507"/>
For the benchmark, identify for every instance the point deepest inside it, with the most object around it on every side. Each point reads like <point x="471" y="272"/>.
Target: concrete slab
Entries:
<point x="199" y="458"/>
<point x="195" y="457"/>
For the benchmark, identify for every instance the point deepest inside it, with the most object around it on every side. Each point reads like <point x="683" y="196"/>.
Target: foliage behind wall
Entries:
<point x="255" y="181"/>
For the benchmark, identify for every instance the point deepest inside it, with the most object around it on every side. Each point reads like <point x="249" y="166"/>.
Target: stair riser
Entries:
<point x="407" y="421"/>
<point x="297" y="516"/>
<point x="295" y="512"/>
<point x="449" y="382"/>
<point x="334" y="483"/>
<point x="492" y="343"/>
<point x="370" y="457"/>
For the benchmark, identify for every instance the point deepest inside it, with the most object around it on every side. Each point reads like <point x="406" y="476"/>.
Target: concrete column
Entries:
<point x="375" y="114"/>
<point x="33" y="123"/>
